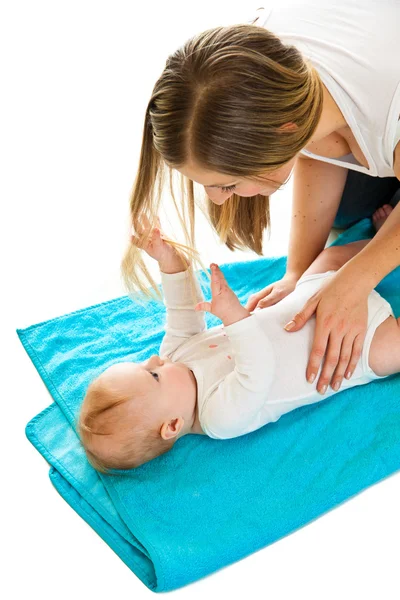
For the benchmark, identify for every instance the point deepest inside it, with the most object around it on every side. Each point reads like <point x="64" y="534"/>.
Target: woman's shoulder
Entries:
<point x="333" y="145"/>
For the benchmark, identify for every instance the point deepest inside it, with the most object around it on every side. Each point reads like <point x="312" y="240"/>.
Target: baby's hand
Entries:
<point x="224" y="303"/>
<point x="156" y="246"/>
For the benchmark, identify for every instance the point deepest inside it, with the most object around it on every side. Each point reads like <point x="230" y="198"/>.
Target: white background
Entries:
<point x="75" y="80"/>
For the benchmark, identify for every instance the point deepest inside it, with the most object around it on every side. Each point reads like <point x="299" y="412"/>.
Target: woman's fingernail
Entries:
<point x="289" y="325"/>
<point x="348" y="374"/>
<point x="311" y="378"/>
<point x="323" y="389"/>
<point x="336" y="386"/>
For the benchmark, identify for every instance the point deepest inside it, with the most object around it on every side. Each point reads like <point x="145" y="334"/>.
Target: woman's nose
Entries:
<point x="219" y="197"/>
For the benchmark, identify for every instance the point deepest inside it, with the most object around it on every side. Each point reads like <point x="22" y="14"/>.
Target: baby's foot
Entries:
<point x="380" y="215"/>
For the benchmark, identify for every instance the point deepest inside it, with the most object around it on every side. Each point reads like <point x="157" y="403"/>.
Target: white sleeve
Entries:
<point x="182" y="321"/>
<point x="237" y="400"/>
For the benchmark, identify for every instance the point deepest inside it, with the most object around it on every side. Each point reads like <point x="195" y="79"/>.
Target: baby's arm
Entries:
<point x="182" y="321"/>
<point x="238" y="399"/>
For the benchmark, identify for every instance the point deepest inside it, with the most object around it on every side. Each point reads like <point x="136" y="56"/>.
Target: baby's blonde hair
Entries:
<point x="219" y="104"/>
<point x="139" y="440"/>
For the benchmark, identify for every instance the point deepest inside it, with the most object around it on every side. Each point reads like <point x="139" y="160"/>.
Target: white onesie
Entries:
<point x="252" y="372"/>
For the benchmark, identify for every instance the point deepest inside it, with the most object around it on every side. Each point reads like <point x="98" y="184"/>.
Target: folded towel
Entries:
<point x="206" y="503"/>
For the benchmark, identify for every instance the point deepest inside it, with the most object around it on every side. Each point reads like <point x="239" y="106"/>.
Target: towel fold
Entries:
<point x="206" y="503"/>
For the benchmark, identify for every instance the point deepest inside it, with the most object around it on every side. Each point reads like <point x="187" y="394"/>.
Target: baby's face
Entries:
<point x="166" y="387"/>
<point x="156" y="394"/>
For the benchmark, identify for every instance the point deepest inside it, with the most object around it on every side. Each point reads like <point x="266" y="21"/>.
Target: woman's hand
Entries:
<point x="224" y="303"/>
<point x="156" y="246"/>
<point x="272" y="293"/>
<point x="341" y="324"/>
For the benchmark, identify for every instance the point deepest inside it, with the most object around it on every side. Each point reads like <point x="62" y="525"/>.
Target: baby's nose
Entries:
<point x="156" y="359"/>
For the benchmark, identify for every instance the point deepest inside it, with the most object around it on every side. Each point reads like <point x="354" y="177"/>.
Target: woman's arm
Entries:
<point x="341" y="307"/>
<point x="317" y="191"/>
<point x="379" y="257"/>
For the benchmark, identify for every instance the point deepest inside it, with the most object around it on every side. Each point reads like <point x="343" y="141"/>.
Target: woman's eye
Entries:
<point x="153" y="373"/>
<point x="229" y="188"/>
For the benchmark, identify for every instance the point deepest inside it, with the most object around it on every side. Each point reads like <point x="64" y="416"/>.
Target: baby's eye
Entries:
<point x="228" y="188"/>
<point x="153" y="373"/>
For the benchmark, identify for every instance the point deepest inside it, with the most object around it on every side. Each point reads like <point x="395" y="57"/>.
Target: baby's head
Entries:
<point x="133" y="412"/>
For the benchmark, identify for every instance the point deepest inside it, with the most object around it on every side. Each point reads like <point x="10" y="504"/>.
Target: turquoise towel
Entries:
<point x="207" y="503"/>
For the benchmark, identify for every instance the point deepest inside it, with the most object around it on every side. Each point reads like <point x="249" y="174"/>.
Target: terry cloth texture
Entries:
<point x="207" y="503"/>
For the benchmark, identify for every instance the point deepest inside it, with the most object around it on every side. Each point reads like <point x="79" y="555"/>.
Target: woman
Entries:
<point x="309" y="88"/>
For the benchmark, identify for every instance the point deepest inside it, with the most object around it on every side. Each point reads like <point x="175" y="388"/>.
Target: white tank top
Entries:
<point x="355" y="47"/>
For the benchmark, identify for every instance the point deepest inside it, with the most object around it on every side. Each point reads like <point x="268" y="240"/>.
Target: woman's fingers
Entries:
<point x="302" y="316"/>
<point x="342" y="354"/>
<point x="251" y="303"/>
<point x="330" y="362"/>
<point x="355" y="355"/>
<point x="341" y="359"/>
<point x="317" y="352"/>
<point x="343" y="364"/>
<point x="271" y="297"/>
<point x="254" y="299"/>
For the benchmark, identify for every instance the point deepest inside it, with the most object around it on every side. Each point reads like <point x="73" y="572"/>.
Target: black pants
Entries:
<point x="362" y="195"/>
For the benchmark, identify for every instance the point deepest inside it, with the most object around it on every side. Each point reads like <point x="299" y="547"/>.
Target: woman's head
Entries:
<point x="220" y="188"/>
<point x="134" y="412"/>
<point x="233" y="105"/>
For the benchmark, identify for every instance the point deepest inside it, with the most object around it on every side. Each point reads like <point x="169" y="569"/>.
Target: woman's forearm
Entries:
<point x="317" y="190"/>
<point x="379" y="257"/>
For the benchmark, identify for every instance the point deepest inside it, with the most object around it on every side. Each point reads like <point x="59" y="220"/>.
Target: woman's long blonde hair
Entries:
<point x="218" y="104"/>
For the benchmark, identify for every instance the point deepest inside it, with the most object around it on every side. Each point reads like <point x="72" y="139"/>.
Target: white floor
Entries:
<point x="77" y="77"/>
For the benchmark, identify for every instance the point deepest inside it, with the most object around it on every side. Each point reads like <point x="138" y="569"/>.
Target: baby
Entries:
<point x="225" y="381"/>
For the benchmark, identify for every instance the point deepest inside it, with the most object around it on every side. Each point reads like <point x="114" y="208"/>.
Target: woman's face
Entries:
<point x="220" y="187"/>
